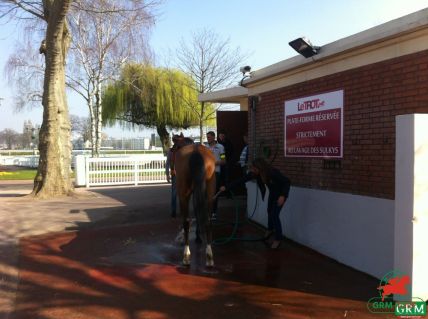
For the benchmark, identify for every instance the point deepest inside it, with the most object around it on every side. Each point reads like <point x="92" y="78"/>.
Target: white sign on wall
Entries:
<point x="314" y="126"/>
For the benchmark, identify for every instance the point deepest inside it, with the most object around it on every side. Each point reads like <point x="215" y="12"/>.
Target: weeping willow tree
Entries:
<point x="152" y="97"/>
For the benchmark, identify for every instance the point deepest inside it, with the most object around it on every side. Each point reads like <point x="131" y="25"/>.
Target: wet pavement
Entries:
<point x="112" y="253"/>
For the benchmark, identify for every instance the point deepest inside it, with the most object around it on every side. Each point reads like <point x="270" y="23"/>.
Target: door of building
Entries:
<point x="235" y="124"/>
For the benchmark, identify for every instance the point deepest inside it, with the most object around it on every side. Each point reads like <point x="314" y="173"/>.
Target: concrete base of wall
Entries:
<point x="357" y="231"/>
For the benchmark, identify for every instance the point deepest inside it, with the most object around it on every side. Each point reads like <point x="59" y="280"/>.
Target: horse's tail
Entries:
<point x="198" y="175"/>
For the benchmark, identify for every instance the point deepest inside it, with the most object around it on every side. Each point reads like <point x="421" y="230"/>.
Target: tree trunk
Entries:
<point x="201" y="131"/>
<point x="164" y="137"/>
<point x="93" y="126"/>
<point x="201" y="122"/>
<point x="53" y="175"/>
<point x="99" y="118"/>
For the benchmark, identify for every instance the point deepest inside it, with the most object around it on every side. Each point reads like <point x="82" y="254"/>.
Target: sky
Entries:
<point x="260" y="28"/>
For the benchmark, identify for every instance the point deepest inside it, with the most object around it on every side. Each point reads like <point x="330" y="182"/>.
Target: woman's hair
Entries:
<point x="263" y="167"/>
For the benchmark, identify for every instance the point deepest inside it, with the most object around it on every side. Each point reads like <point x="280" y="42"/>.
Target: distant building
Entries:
<point x="139" y="143"/>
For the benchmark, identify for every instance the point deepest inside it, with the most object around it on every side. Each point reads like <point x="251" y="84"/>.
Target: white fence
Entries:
<point x="139" y="169"/>
<point x="118" y="170"/>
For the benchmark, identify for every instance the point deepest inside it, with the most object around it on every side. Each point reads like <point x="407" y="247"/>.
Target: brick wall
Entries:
<point x="373" y="96"/>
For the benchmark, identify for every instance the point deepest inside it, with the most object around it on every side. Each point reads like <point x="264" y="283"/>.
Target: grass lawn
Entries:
<point x="18" y="175"/>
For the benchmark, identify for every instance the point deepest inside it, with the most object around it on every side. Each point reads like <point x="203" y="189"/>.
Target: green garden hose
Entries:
<point x="237" y="222"/>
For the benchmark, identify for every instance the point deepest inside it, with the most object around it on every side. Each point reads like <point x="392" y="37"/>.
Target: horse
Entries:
<point x="195" y="176"/>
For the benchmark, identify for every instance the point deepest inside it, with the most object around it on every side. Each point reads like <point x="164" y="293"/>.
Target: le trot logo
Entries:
<point x="398" y="284"/>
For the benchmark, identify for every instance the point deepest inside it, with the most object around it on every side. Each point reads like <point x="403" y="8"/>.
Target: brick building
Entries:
<point x="348" y="206"/>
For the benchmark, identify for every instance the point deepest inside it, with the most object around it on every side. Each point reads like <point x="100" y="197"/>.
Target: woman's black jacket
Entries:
<point x="279" y="185"/>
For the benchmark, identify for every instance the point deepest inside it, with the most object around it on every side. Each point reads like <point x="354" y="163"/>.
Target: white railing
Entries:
<point x="134" y="170"/>
<point x="102" y="171"/>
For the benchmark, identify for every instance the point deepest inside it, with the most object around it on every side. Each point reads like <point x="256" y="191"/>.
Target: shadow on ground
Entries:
<point x="128" y="266"/>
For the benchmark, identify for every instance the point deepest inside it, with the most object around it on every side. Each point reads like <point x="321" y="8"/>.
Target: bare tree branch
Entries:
<point x="212" y="63"/>
<point x="20" y="8"/>
<point x="104" y="39"/>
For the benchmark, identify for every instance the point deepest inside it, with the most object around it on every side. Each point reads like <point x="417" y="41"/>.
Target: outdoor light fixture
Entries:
<point x="245" y="70"/>
<point x="304" y="47"/>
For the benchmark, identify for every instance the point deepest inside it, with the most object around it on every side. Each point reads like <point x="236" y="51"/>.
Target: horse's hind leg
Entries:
<point x="186" y="252"/>
<point x="209" y="261"/>
<point x="208" y="227"/>
<point x="184" y="208"/>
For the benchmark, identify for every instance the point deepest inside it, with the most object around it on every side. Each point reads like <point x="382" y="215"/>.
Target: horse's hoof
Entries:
<point x="209" y="263"/>
<point x="186" y="261"/>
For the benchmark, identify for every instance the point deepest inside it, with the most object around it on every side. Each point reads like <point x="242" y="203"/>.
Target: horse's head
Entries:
<point x="180" y="140"/>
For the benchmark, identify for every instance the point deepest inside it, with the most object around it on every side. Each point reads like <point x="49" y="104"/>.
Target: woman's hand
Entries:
<point x="222" y="189"/>
<point x="281" y="200"/>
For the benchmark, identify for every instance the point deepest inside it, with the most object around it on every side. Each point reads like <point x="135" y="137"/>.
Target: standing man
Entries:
<point x="243" y="158"/>
<point x="170" y="174"/>
<point x="228" y="150"/>
<point x="220" y="159"/>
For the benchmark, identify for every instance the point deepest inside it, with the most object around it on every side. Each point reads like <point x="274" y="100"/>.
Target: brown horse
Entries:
<point x="195" y="173"/>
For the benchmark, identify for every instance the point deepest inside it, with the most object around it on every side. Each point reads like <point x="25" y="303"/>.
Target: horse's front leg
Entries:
<point x="184" y="208"/>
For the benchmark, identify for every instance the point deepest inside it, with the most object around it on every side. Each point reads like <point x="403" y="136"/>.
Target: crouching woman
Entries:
<point x="269" y="177"/>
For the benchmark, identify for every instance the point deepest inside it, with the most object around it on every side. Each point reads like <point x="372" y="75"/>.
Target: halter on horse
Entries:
<point x="195" y="173"/>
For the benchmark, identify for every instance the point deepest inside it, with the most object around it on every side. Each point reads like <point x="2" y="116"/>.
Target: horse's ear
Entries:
<point x="181" y="134"/>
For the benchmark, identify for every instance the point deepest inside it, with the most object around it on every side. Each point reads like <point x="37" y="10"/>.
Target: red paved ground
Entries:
<point x="134" y="272"/>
